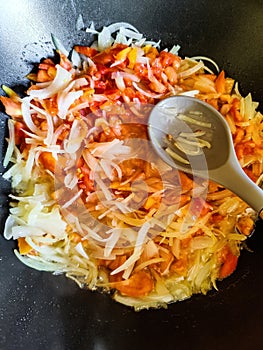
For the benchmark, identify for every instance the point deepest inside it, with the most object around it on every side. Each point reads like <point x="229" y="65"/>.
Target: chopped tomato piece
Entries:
<point x="167" y="58"/>
<point x="19" y="134"/>
<point x="48" y="161"/>
<point x="85" y="50"/>
<point x="138" y="285"/>
<point x="229" y="263"/>
<point x="12" y="108"/>
<point x="220" y="82"/>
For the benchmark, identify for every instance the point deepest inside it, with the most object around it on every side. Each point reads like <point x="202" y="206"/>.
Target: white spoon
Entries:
<point x="219" y="162"/>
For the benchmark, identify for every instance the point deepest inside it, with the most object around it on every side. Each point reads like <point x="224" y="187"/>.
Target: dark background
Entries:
<point x="42" y="311"/>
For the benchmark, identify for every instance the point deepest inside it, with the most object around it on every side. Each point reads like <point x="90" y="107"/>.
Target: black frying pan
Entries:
<point x="42" y="311"/>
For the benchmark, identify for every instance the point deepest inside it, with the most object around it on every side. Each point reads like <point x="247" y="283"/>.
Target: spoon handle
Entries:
<point x="232" y="176"/>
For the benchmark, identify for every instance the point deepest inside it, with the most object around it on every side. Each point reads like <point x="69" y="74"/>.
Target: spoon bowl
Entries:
<point x="184" y="117"/>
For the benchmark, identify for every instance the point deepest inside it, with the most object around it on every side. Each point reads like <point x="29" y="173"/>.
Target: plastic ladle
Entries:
<point x="219" y="162"/>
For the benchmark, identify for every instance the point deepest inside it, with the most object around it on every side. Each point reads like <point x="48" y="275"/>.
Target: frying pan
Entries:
<point x="42" y="311"/>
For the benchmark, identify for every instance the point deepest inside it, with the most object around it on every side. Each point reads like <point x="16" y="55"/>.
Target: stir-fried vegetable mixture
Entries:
<point x="90" y="197"/>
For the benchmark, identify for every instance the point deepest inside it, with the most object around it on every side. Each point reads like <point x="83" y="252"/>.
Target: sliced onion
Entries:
<point x="193" y="135"/>
<point x="137" y="251"/>
<point x="120" y="76"/>
<point x="76" y="136"/>
<point x="117" y="26"/>
<point x="62" y="79"/>
<point x="59" y="130"/>
<point x="191" y="70"/>
<point x="75" y="59"/>
<point x="25" y="231"/>
<point x="70" y="180"/>
<point x="122" y="206"/>
<point x="194" y="121"/>
<point x="93" y="234"/>
<point x="131" y="33"/>
<point x="80" y="23"/>
<point x="153" y="43"/>
<point x="108" y="149"/>
<point x="194" y="141"/>
<point x="176" y="156"/>
<point x="192" y="150"/>
<point x="104" y="188"/>
<point x="59" y="46"/>
<point x="99" y="98"/>
<point x="92" y="29"/>
<point x="65" y="100"/>
<point x="50" y="130"/>
<point x="105" y="39"/>
<point x="175" y="49"/>
<point x="29" y="164"/>
<point x="11" y="142"/>
<point x="80" y="82"/>
<point x="143" y="60"/>
<point x="25" y="107"/>
<point x="204" y="58"/>
<point x="121" y="38"/>
<point x="79" y="248"/>
<point x="119" y="81"/>
<point x="149" y="70"/>
<point x="125" y="75"/>
<point x="106" y="165"/>
<point x="36" y="263"/>
<point x="91" y="161"/>
<point x="202" y="242"/>
<point x="9" y="224"/>
<point x="191" y="93"/>
<point x="72" y="199"/>
<point x="111" y="242"/>
<point x="146" y="93"/>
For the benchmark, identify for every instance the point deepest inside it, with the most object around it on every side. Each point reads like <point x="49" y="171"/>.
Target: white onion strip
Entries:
<point x="137" y="251"/>
<point x="146" y="93"/>
<point x="65" y="100"/>
<point x="79" y="248"/>
<point x="114" y="27"/>
<point x="11" y="143"/>
<point x="194" y="121"/>
<point x="72" y="200"/>
<point x="176" y="156"/>
<point x="191" y="70"/>
<point x="111" y="242"/>
<point x="25" y="107"/>
<point x="50" y="130"/>
<point x="192" y="150"/>
<point x="204" y="58"/>
<point x="62" y="79"/>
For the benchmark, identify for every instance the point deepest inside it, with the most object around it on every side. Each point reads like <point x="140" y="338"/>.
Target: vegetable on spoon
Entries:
<point x="177" y="117"/>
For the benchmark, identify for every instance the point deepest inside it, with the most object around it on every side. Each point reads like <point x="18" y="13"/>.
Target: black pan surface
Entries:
<point x="41" y="311"/>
